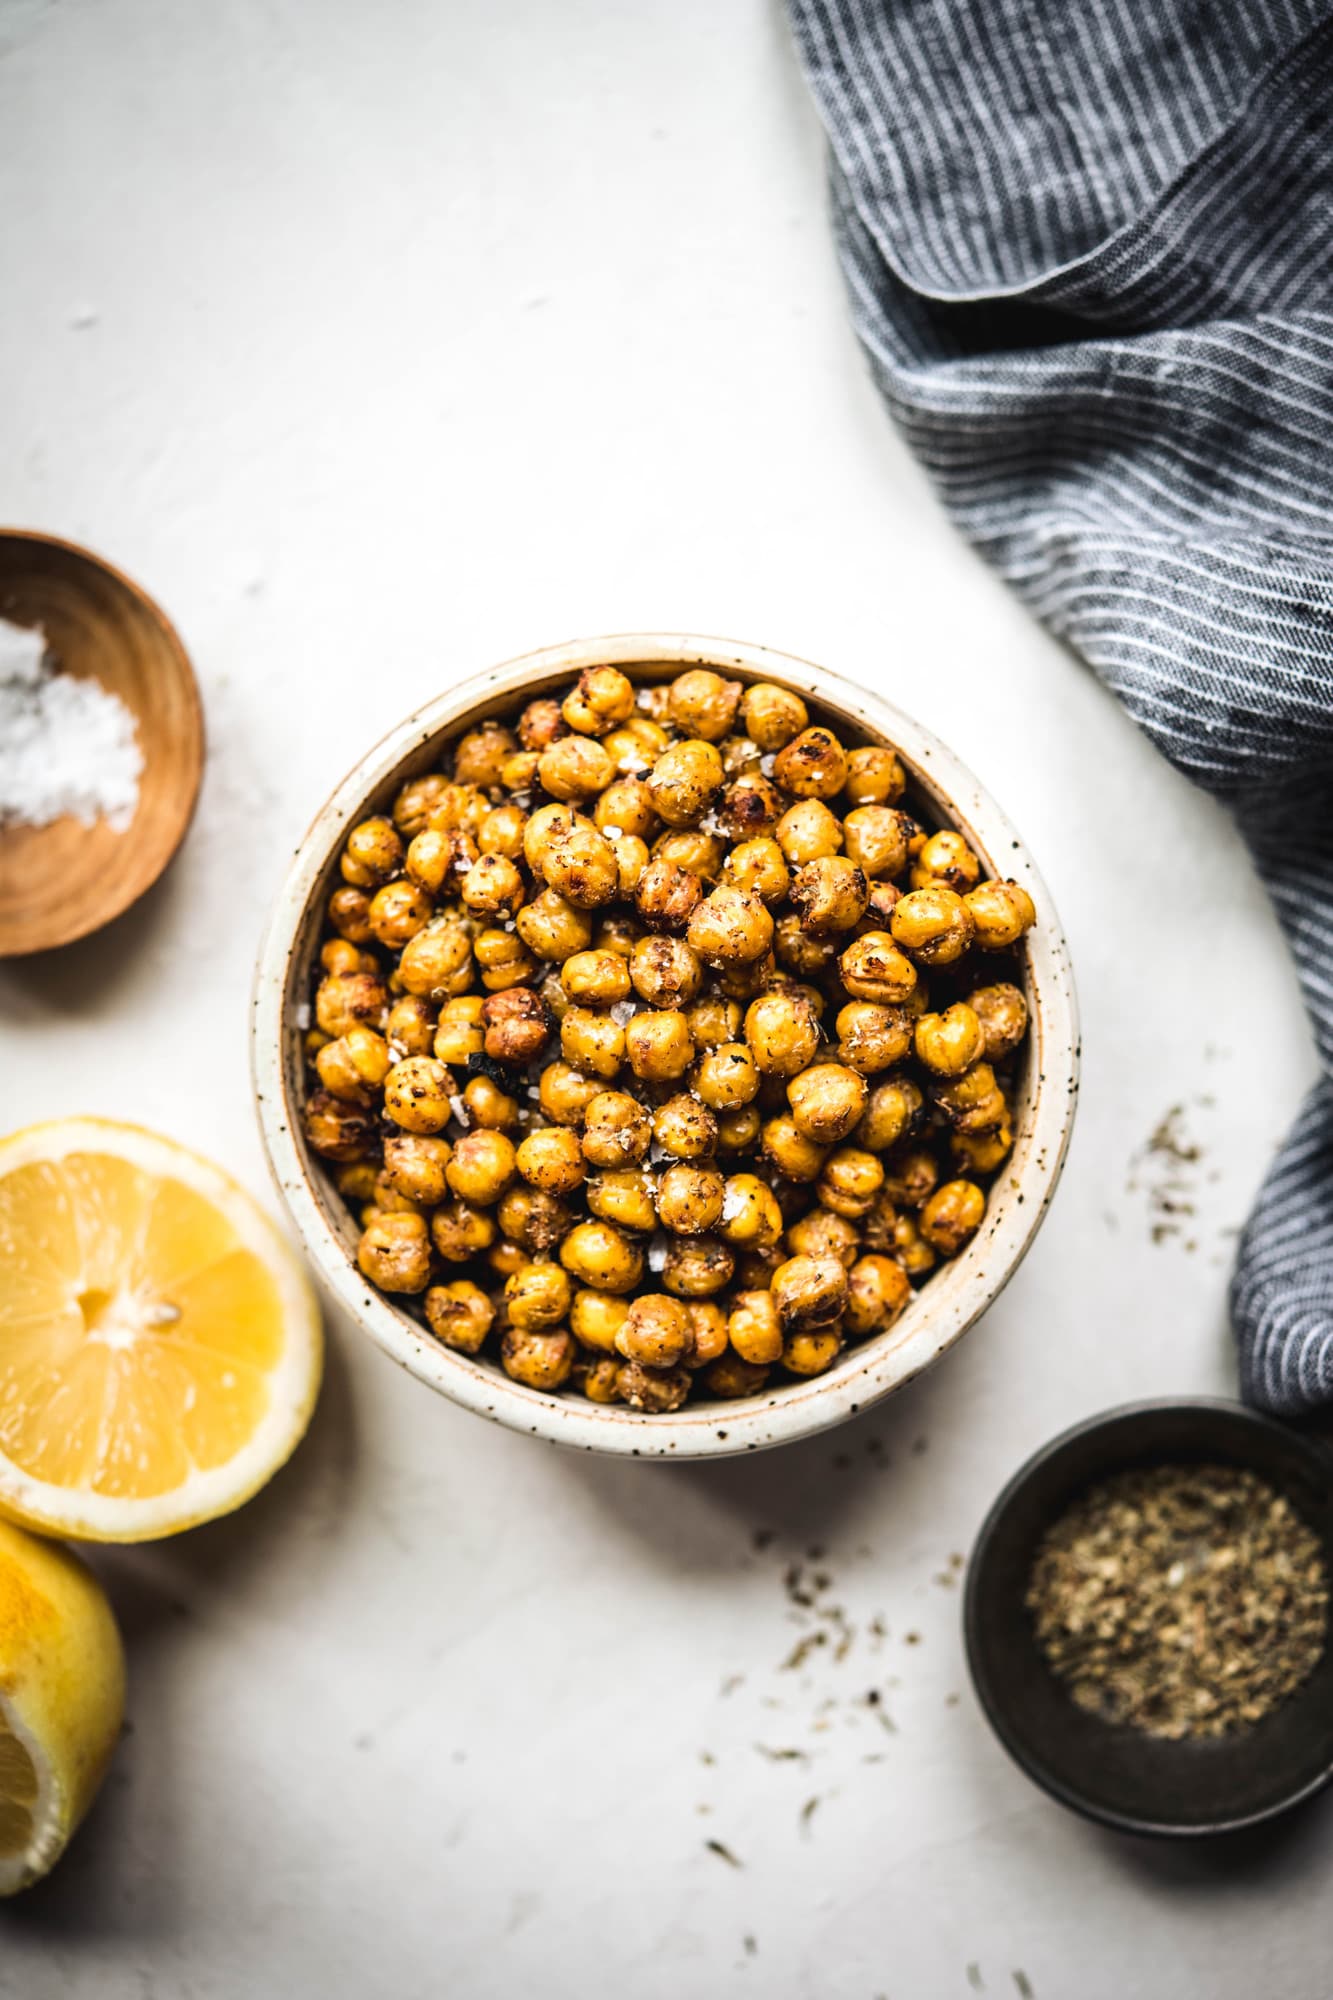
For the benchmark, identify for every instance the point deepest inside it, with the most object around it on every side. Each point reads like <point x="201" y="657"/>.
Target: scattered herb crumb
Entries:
<point x="783" y="1755"/>
<point x="808" y="1811"/>
<point x="1023" y="1983"/>
<point x="724" y="1853"/>
<point x="802" y="1650"/>
<point x="974" y="1978"/>
<point x="751" y="1946"/>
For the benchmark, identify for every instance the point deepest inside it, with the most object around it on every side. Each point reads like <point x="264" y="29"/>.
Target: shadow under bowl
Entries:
<point x="1114" y="1774"/>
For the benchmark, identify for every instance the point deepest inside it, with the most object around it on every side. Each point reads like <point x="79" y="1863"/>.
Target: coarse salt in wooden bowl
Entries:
<point x="940" y="1312"/>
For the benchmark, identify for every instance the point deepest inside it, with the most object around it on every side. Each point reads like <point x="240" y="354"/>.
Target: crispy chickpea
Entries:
<point x="689" y="1200"/>
<point x="336" y="1129"/>
<point x="950" y="1042"/>
<point x="829" y="895"/>
<point x="373" y="853"/>
<point x="355" y="1065"/>
<point x="798" y="953"/>
<point x="458" y="1036"/>
<point x="743" y="982"/>
<point x="738" y="1131"/>
<point x="595" y="1318"/>
<point x="755" y="1268"/>
<point x="596" y="977"/>
<point x="934" y="925"/>
<point x="394" y="1253"/>
<point x="502" y="960"/>
<point x="875" y="776"/>
<point x="599" y="1255"/>
<point x="753" y="1328"/>
<point x="690" y="848"/>
<point x="782" y="1033"/>
<point x="460" y="1315"/>
<point x="813" y="765"/>
<point x="516" y="1025"/>
<point x="357" y="1181"/>
<point x="982" y="1152"/>
<point x="658" y="1046"/>
<point x="482" y="1167"/>
<point x="626" y="1197"/>
<point x="727" y="1078"/>
<point x="436" y="964"/>
<point x="910" y="1174"/>
<point x="537" y="1297"/>
<point x="749" y="1216"/>
<point x="575" y="769"/>
<point x="1003" y="1014"/>
<point x="655" y="1331"/>
<point x="730" y="928"/>
<point x="504" y="1258"/>
<point x="460" y="1232"/>
<point x="685" y="1128"/>
<point x="697" y="1266"/>
<point x="410" y="1026"/>
<point x="397" y="912"/>
<point x="972" y="1102"/>
<point x="519" y="774"/>
<point x="759" y="868"/>
<point x="750" y="807"/>
<point x="553" y="928"/>
<point x="684" y="781"/>
<point x="417" y="1093"/>
<point x="655" y="1391"/>
<point x="665" y="971"/>
<point x="338" y="955"/>
<point x="501" y="832"/>
<point x="592" y="1042"/>
<point x="821" y="1233"/>
<point x="873" y="1038"/>
<point x="571" y="856"/>
<point x="551" y="1158"/>
<point x="826" y="1101"/>
<point x="460" y="808"/>
<point x="702" y="704"/>
<point x="874" y="969"/>
<point x="493" y="887"/>
<point x="349" y="913"/>
<point x="812" y="1352"/>
<point x="882" y="901"/>
<point x="414" y="1165"/>
<point x="533" y="1219"/>
<point x="892" y="1111"/>
<point x="480" y="755"/>
<point x="850" y="1181"/>
<point x="952" y="1216"/>
<point x="540" y="724"/>
<point x="877" y="838"/>
<point x="789" y="1151"/>
<point x="773" y="715"/>
<point x="564" y="1093"/>
<point x="808" y="831"/>
<point x="489" y="1106"/>
<point x="631" y="859"/>
<point x="602" y="699"/>
<point x="416" y="801"/>
<point x="1001" y="912"/>
<point x="636" y="745"/>
<point x="877" y="1292"/>
<point x="740" y="755"/>
<point x="667" y="896"/>
<point x="598" y="1376"/>
<point x="708" y="1333"/>
<point x="538" y="1360"/>
<point x="617" y="1131"/>
<point x="946" y="858"/>
<point x="346" y="1000"/>
<point x="809" y="1292"/>
<point x="713" y="1021"/>
<point x="626" y="807"/>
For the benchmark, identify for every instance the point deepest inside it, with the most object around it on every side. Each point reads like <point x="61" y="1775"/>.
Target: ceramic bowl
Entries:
<point x="954" y="1297"/>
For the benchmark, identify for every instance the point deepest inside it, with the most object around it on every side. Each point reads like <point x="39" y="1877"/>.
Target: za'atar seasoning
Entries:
<point x="1181" y="1600"/>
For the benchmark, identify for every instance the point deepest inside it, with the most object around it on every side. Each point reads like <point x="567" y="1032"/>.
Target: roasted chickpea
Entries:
<point x="877" y="838"/>
<point x="713" y="1021"/>
<point x="351" y="999"/>
<point x="480" y="755"/>
<point x="684" y="781"/>
<point x="740" y="755"/>
<point x="782" y="1033"/>
<point x="418" y="1094"/>
<point x="773" y="715"/>
<point x="702" y="704"/>
<point x="708" y="1333"/>
<point x="626" y="1197"/>
<point x="482" y="1167"/>
<point x="749" y="1217"/>
<point x="537" y="1297"/>
<point x="336" y="1129"/>
<point x="538" y="1360"/>
<point x="601" y="701"/>
<point x="666" y="971"/>
<point x="626" y="807"/>
<point x="874" y="969"/>
<point x="416" y="802"/>
<point x="599" y="1255"/>
<point x="459" y="1036"/>
<point x="755" y="1268"/>
<point x="875" y="777"/>
<point x="821" y="1233"/>
<point x="808" y="832"/>
<point x="689" y="1200"/>
<point x="800" y="954"/>
<point x="460" y="1232"/>
<point x="520" y="775"/>
<point x="877" y="1292"/>
<point x="809" y="1292"/>
<point x="540" y="724"/>
<point x="394" y="1253"/>
<point x="952" y="1216"/>
<point x="338" y="955"/>
<point x="373" y="853"/>
<point x="349" y="913"/>
<point x="750" y="807"/>
<point x="397" y="912"/>
<point x="730" y="1376"/>
<point x="631" y="859"/>
<point x="504" y="1258"/>
<point x="873" y="1038"/>
<point x="655" y="1391"/>
<point x="892" y="1111"/>
<point x="753" y="1328"/>
<point x="552" y="928"/>
<point x="813" y="765"/>
<point x="789" y="1151"/>
<point x="850" y="1181"/>
<point x="812" y="1352"/>
<point x="696" y="1267"/>
<point x="1003" y="1014"/>
<point x="950" y="1042"/>
<point x="933" y="924"/>
<point x="460" y="1315"/>
<point x="946" y="858"/>
<point x="972" y="1102"/>
<point x="592" y="1042"/>
<point x="738" y="1131"/>
<point x="667" y="896"/>
<point x="358" y="1181"/>
<point x="636" y="745"/>
<point x="617" y="1131"/>
<point x="573" y="858"/>
<point x="503" y="960"/>
<point x="1000" y="912"/>
<point x="882" y="901"/>
<point x="690" y="848"/>
<point x="595" y="1318"/>
<point x="517" y="1026"/>
<point x="598" y="1376"/>
<point x="658" y="1046"/>
<point x="598" y="978"/>
<point x="414" y="1165"/>
<point x="910" y="1174"/>
<point x="436" y="964"/>
<point x="564" y="1093"/>
<point x="460" y="808"/>
<point x="829" y="895"/>
<point x="355" y="1065"/>
<point x="490" y="1106"/>
<point x="758" y="868"/>
<point x="534" y="1219"/>
<point x="575" y="769"/>
<point x="730" y="928"/>
<point x="501" y="832"/>
<point x="685" y="1128"/>
<point x="727" y="1078"/>
<point x="826" y="1101"/>
<point x="551" y="1158"/>
<point x="493" y="887"/>
<point x="655" y="1331"/>
<point x="410" y="1026"/>
<point x="982" y="1152"/>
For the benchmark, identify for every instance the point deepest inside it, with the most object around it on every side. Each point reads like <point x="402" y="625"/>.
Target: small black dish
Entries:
<point x="1137" y="1783"/>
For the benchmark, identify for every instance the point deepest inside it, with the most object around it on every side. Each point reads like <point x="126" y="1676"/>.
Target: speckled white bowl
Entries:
<point x="951" y="1301"/>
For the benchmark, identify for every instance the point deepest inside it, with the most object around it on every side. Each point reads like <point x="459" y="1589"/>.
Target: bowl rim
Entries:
<point x="873" y="1370"/>
<point x="1299" y="1443"/>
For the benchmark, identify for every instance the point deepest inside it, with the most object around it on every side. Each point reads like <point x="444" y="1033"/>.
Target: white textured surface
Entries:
<point x="380" y="343"/>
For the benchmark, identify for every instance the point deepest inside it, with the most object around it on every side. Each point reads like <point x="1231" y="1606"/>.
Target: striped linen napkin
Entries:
<point x="1089" y="250"/>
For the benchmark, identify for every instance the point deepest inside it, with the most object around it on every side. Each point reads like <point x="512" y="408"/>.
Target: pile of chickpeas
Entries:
<point x="658" y="1044"/>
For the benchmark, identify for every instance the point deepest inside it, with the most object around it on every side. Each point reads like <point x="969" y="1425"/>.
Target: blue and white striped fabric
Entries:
<point x="1090" y="254"/>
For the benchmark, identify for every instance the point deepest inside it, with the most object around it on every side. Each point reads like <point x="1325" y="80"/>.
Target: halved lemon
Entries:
<point x="160" y="1345"/>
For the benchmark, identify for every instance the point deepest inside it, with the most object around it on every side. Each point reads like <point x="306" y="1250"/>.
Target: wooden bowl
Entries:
<point x="59" y="882"/>
<point x="946" y="1306"/>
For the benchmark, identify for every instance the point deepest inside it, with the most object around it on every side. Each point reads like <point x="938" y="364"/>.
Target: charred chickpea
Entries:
<point x="617" y="1131"/>
<point x="821" y="1233"/>
<point x="592" y="1042"/>
<point x="417" y="1094"/>
<point x="564" y="1093"/>
<point x="349" y="913"/>
<point x="461" y="1232"/>
<point x="595" y="978"/>
<point x="346" y="1000"/>
<point x="516" y="1026"/>
<point x="414" y="1164"/>
<point x="538" y="1360"/>
<point x="493" y="887"/>
<point x="947" y="859"/>
<point x="877" y="839"/>
<point x="950" y="1042"/>
<point x="551" y="1158"/>
<point x="738" y="1131"/>
<point x="892" y="1111"/>
<point x="626" y="807"/>
<point x="726" y="1078"/>
<point x="595" y="1318"/>
<point x="684" y="781"/>
<point x="829" y="895"/>
<point x="481" y="1168"/>
<point x="982" y="1152"/>
<point x="809" y="1292"/>
<point x="575" y="769"/>
<point x="730" y="1376"/>
<point x="1003" y="1014"/>
<point x="934" y="925"/>
<point x="394" y="1253"/>
<point x="658" y="1046"/>
<point x="788" y="1150"/>
<point x="877" y="1292"/>
<point x="952" y="1216"/>
<point x="753" y="1328"/>
<point x="813" y="765"/>
<point x="910" y="1175"/>
<point x="665" y="971"/>
<point x="533" y="1219"/>
<point x="873" y="1038"/>
<point x="782" y="1033"/>
<point x="808" y="831"/>
<point x="540" y="724"/>
<point x="460" y="1315"/>
<point x="656" y="1391"/>
<point x="759" y="868"/>
<point x="599" y="1255"/>
<point x="570" y="855"/>
<point x="501" y="832"/>
<point x="750" y="807"/>
<point x="697" y="1266"/>
<point x="655" y="1331"/>
<point x="602" y="700"/>
<point x="702" y="704"/>
<point x="749" y="1218"/>
<point x="773" y="715"/>
<point x="537" y="1297"/>
<point x="689" y="1200"/>
<point x="336" y="1129"/>
<point x="730" y="928"/>
<point x="813" y="1351"/>
<point x="1001" y="912"/>
<point x="490" y="1106"/>
<point x="881" y="903"/>
<point x="826" y="1101"/>
<point x="410" y="1027"/>
<point x="850" y="1181"/>
<point x="553" y="928"/>
<point x="373" y="853"/>
<point x="685" y="1128"/>
<point x="667" y="896"/>
<point x="875" y="776"/>
<point x="625" y="1197"/>
<point x="355" y="1065"/>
